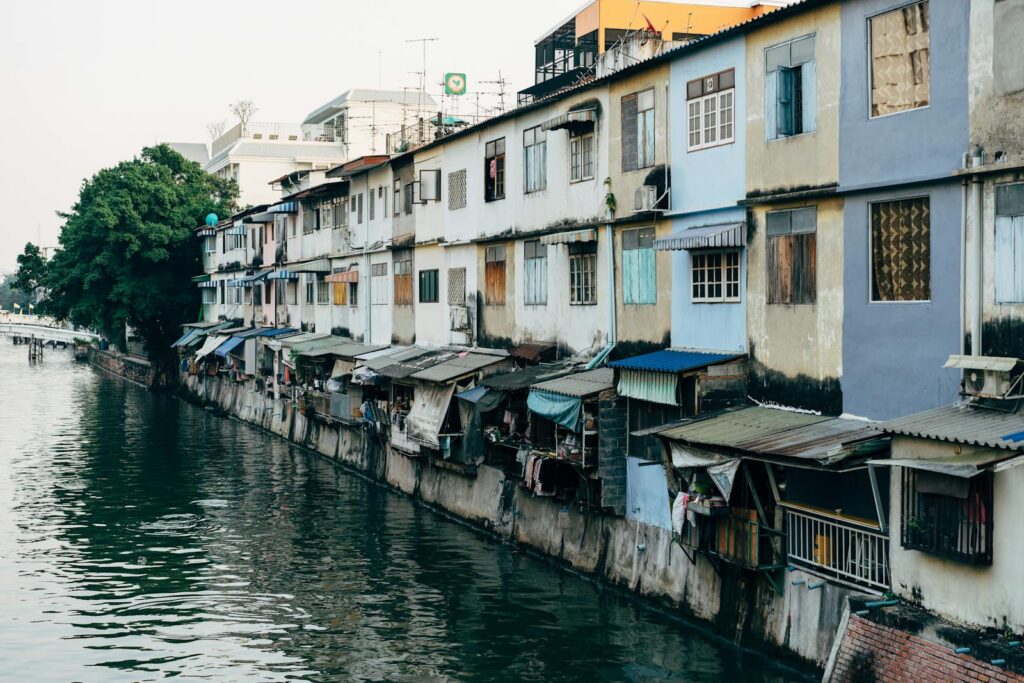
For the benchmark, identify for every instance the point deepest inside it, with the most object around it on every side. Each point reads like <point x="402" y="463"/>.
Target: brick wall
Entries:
<point x="611" y="416"/>
<point x="874" y="652"/>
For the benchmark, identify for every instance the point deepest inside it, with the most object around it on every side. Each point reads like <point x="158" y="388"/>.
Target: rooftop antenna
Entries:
<point x="423" y="74"/>
<point x="501" y="83"/>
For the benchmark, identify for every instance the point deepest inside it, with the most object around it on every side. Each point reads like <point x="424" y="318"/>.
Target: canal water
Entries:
<point x="142" y="538"/>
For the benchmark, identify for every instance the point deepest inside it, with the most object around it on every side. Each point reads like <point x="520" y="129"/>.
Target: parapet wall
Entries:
<point x="742" y="606"/>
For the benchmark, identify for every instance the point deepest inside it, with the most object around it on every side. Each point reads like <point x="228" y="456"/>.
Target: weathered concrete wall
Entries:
<point x="742" y="606"/>
<point x="134" y="369"/>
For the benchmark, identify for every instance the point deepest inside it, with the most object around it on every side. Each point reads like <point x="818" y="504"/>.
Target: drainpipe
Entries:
<point x="963" y="258"/>
<point x="368" y="325"/>
<point x="609" y="231"/>
<point x="976" y="254"/>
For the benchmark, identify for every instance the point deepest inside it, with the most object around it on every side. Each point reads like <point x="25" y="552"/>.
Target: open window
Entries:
<point x="947" y="515"/>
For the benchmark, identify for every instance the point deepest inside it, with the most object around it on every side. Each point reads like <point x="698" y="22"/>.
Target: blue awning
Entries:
<point x="672" y="360"/>
<point x="227" y="346"/>
<point x="184" y="339"/>
<point x="485" y="399"/>
<point x="282" y="275"/>
<point x="283" y="207"/>
<point x="562" y="410"/>
<point x="276" y="332"/>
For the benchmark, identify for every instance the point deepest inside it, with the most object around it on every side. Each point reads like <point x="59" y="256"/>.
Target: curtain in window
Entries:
<point x="536" y="280"/>
<point x="901" y="250"/>
<point x="900" y="60"/>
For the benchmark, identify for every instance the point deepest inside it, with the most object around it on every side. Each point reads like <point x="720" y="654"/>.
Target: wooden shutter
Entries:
<point x="791" y="269"/>
<point x="629" y="139"/>
<point x="786" y="101"/>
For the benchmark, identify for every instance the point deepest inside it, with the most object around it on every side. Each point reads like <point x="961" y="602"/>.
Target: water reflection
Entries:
<point x="142" y="538"/>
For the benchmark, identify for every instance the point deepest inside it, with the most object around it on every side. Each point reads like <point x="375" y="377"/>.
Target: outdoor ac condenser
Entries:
<point x="991" y="377"/>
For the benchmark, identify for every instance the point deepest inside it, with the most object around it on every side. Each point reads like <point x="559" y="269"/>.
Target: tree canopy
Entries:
<point x="126" y="251"/>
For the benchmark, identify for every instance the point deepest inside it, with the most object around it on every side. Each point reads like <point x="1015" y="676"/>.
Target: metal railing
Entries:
<point x="281" y="132"/>
<point x="844" y="551"/>
<point x="735" y="539"/>
<point x="422" y="132"/>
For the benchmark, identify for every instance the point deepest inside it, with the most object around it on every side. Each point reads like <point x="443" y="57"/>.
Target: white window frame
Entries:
<point x="578" y="157"/>
<point x="728" y="271"/>
<point x="646" y="127"/>
<point x="535" y="160"/>
<point x="323" y="290"/>
<point x="697" y="113"/>
<point x="209" y="295"/>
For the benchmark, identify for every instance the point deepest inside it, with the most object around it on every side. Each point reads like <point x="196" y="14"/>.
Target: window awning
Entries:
<point x="655" y="387"/>
<point x="238" y="229"/>
<point x="283" y="207"/>
<point x="705" y="237"/>
<point x="580" y="118"/>
<point x="206" y="232"/>
<point x="210" y="345"/>
<point x="428" y="411"/>
<point x="207" y="285"/>
<point x="227" y="346"/>
<point x="562" y="410"/>
<point x="282" y="275"/>
<point x="965" y="465"/>
<point x="249" y="280"/>
<point x="587" y="235"/>
<point x="262" y="217"/>
<point x="320" y="265"/>
<point x="344" y="276"/>
<point x="205" y="277"/>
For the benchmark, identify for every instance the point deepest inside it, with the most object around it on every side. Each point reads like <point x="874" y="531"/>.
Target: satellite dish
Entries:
<point x="211" y="219"/>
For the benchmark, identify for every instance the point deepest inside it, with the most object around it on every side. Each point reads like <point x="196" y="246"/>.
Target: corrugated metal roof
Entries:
<point x="825" y="442"/>
<point x="457" y="366"/>
<point x="581" y="384"/>
<point x="525" y="377"/>
<point x="733" y="428"/>
<point x="532" y="351"/>
<point x="395" y="355"/>
<point x="964" y="423"/>
<point x="996" y="363"/>
<point x="408" y="367"/>
<point x="344" y="349"/>
<point x="673" y="360"/>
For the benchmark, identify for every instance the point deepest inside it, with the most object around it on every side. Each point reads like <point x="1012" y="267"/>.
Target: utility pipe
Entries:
<point x="976" y="253"/>
<point x="963" y="258"/>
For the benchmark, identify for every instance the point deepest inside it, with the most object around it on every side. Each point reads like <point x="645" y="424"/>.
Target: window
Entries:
<point x="714" y="276"/>
<point x="220" y="286"/>
<point x="948" y="516"/>
<point x="310" y="218"/>
<point x="397" y="199"/>
<point x="327" y="214"/>
<point x="429" y="185"/>
<point x="457" y="190"/>
<point x="900" y="70"/>
<point x="535" y="275"/>
<point x="535" y="159"/>
<point x="294" y="224"/>
<point x="494" y="170"/>
<point x="323" y="291"/>
<point x="638" y="130"/>
<point x="494" y="275"/>
<point x="789" y="84"/>
<point x="581" y="156"/>
<point x="710" y="110"/>
<point x="291" y="289"/>
<point x="341" y="213"/>
<point x="310" y="280"/>
<point x="582" y="273"/>
<point x="236" y="295"/>
<point x="210" y="244"/>
<point x="359" y="208"/>
<point x="340" y="293"/>
<point x="266" y="293"/>
<point x="639" y="281"/>
<point x="1009" y="247"/>
<point x="209" y="295"/>
<point x="408" y="198"/>
<point x="403" y="281"/>
<point x="456" y="286"/>
<point x="428" y="287"/>
<point x="791" y="256"/>
<point x="379" y="283"/>
<point x="371" y="203"/>
<point x="383" y="201"/>
<point x="901" y="250"/>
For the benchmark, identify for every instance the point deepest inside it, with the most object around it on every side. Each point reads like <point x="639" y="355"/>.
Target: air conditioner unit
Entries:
<point x="645" y="198"/>
<point x="989" y="376"/>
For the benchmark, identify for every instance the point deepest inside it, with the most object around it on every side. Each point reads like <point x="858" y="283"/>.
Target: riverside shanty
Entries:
<point x="729" y="318"/>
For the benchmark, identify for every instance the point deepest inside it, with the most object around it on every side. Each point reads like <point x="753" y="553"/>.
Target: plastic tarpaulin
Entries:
<point x="212" y="342"/>
<point x="228" y="346"/>
<point x="472" y="404"/>
<point x="562" y="410"/>
<point x="483" y="398"/>
<point x="428" y="411"/>
<point x="647" y="498"/>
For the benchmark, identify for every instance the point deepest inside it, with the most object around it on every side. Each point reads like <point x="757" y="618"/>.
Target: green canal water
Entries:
<point x="142" y="538"/>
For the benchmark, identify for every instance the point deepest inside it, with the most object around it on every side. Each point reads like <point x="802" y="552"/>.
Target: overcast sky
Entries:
<point x="87" y="84"/>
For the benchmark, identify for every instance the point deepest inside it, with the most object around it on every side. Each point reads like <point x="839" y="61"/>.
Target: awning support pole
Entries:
<point x="753" y="492"/>
<point x="882" y="525"/>
<point x="771" y="481"/>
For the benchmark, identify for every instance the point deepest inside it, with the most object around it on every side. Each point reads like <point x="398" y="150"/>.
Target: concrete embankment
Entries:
<point x="797" y="622"/>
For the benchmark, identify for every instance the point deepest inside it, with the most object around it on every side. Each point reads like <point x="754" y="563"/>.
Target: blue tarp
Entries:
<point x="485" y="399"/>
<point x="188" y="337"/>
<point x="227" y="346"/>
<point x="277" y="331"/>
<point x="647" y="498"/>
<point x="562" y="410"/>
<point x="672" y="360"/>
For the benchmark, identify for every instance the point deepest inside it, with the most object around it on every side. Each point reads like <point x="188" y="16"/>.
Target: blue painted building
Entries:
<point x="903" y="132"/>
<point x="709" y="228"/>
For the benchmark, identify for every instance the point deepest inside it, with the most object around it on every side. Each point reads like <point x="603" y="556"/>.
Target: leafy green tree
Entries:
<point x="126" y="250"/>
<point x="31" y="269"/>
<point x="10" y="294"/>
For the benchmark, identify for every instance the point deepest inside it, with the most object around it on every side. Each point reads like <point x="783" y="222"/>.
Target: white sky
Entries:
<point x="85" y="84"/>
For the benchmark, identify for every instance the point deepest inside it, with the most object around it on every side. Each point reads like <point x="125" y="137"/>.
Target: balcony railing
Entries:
<point x="845" y="551"/>
<point x="736" y="539"/>
<point x="280" y="132"/>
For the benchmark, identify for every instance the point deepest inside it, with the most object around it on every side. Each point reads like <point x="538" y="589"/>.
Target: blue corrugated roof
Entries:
<point x="671" y="360"/>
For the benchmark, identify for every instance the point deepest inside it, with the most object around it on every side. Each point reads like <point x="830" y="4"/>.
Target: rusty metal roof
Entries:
<point x="966" y="423"/>
<point x="735" y="427"/>
<point x="526" y="377"/>
<point x="581" y="384"/>
<point x="458" y="365"/>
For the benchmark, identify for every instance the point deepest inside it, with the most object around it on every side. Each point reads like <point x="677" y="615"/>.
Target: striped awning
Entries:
<point x="656" y="387"/>
<point x="587" y="235"/>
<point x="570" y="119"/>
<point x="344" y="276"/>
<point x="705" y="237"/>
<point x="284" y="207"/>
<point x="206" y="232"/>
<point x="205" y="277"/>
<point x="282" y="275"/>
<point x="209" y="284"/>
<point x="320" y="265"/>
<point x="237" y="229"/>
<point x="249" y="280"/>
<point x="264" y="217"/>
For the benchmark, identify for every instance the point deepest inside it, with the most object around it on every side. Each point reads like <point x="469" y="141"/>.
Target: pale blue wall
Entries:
<point x="706" y="185"/>
<point x="893" y="352"/>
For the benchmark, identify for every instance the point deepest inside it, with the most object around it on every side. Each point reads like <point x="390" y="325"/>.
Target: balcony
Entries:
<point x="277" y="132"/>
<point x="844" y="550"/>
<point x="733" y="536"/>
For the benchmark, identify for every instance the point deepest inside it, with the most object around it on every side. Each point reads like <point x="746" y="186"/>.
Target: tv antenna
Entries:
<point x="501" y="83"/>
<point x="423" y="74"/>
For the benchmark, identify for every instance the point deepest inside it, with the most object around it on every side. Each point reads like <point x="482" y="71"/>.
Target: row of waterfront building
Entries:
<point x="731" y="254"/>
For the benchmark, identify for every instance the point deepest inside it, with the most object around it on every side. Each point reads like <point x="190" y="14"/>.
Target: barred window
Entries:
<point x="456" y="286"/>
<point x="457" y="190"/>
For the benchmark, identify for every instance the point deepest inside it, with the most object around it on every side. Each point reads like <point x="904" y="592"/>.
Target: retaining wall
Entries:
<point x="742" y="606"/>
